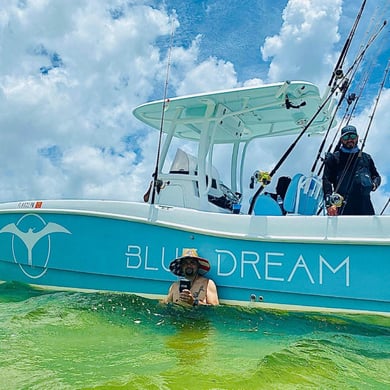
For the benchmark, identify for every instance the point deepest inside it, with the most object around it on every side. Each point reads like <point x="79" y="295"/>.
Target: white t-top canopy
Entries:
<point x="240" y="114"/>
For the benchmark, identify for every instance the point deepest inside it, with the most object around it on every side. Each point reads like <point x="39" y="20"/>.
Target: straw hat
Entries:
<point x="189" y="253"/>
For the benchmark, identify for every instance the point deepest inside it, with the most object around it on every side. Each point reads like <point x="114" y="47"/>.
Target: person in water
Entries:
<point x="200" y="290"/>
<point x="351" y="173"/>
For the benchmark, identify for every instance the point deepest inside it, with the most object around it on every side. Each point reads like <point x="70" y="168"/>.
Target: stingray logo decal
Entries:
<point x="31" y="243"/>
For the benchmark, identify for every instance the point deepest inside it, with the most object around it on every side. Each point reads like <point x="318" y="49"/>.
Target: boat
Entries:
<point x="263" y="253"/>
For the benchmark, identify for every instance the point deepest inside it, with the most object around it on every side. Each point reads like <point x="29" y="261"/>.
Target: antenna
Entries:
<point x="157" y="183"/>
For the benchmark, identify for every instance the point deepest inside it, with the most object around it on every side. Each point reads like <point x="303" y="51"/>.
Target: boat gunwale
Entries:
<point x="160" y="215"/>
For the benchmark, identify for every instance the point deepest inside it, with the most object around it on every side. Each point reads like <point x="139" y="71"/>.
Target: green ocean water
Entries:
<point x="69" y="340"/>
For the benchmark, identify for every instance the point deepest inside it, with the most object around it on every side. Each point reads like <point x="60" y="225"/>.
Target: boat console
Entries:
<point x="180" y="187"/>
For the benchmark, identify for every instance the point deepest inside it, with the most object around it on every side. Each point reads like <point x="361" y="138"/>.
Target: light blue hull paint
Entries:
<point x="131" y="254"/>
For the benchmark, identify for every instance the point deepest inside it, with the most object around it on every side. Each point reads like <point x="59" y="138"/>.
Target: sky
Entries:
<point x="72" y="71"/>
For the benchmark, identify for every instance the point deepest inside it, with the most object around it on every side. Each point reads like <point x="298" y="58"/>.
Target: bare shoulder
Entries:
<point x="211" y="282"/>
<point x="171" y="291"/>
<point x="212" y="294"/>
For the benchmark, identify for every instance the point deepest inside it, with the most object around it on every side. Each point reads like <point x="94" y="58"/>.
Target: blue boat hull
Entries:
<point x="114" y="252"/>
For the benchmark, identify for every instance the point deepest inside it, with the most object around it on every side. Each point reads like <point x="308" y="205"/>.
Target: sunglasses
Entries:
<point x="346" y="137"/>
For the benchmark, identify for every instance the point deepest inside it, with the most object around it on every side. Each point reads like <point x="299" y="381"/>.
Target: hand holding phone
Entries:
<point x="184" y="284"/>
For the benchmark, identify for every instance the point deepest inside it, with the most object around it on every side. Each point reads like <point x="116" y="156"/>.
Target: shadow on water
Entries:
<point x="190" y="341"/>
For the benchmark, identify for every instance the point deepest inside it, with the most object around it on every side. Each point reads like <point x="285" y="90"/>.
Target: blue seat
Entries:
<point x="266" y="205"/>
<point x="304" y="195"/>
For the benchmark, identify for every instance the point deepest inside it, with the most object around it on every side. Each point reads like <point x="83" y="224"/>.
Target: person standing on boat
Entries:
<point x="201" y="291"/>
<point x="351" y="173"/>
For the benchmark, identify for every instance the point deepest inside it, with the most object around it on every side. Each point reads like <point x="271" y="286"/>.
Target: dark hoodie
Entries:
<point x="353" y="175"/>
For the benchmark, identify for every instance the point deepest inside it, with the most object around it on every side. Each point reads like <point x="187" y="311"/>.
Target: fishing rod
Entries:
<point x="385" y="207"/>
<point x="353" y="67"/>
<point x="356" y="97"/>
<point x="156" y="183"/>
<point x="365" y="80"/>
<point x="338" y="72"/>
<point x="349" y="186"/>
<point x="344" y="122"/>
<point x="289" y="150"/>
<point x="362" y="53"/>
<point x="352" y="98"/>
<point x="333" y="84"/>
<point x="344" y="88"/>
<point x="371" y="116"/>
<point x="376" y="103"/>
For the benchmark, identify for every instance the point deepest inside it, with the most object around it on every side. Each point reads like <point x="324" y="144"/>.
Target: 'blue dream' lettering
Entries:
<point x="269" y="266"/>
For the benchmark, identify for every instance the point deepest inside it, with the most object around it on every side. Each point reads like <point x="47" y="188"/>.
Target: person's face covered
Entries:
<point x="189" y="267"/>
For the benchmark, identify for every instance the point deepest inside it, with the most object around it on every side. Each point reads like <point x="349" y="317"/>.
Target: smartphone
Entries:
<point x="184" y="285"/>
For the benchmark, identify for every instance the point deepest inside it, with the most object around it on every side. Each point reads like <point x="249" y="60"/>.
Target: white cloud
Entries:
<point x="72" y="71"/>
<point x="210" y="75"/>
<point x="190" y="76"/>
<point x="304" y="45"/>
<point x="82" y="107"/>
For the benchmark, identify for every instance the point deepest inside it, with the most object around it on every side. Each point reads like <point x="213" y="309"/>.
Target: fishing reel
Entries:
<point x="338" y="73"/>
<point x="334" y="200"/>
<point x="260" y="177"/>
<point x="351" y="98"/>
